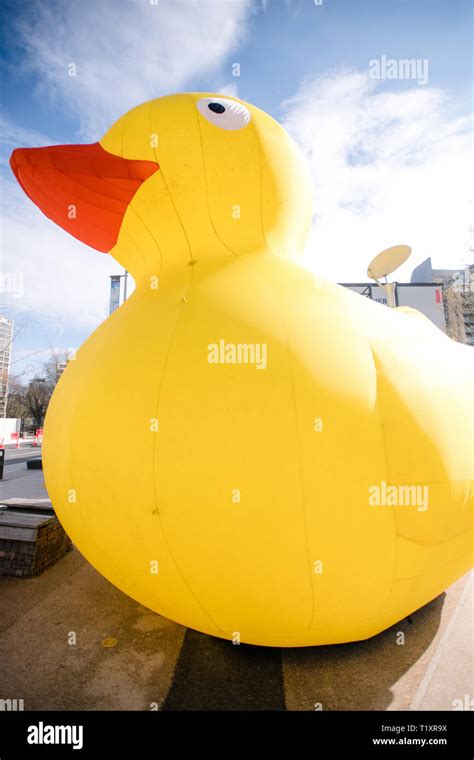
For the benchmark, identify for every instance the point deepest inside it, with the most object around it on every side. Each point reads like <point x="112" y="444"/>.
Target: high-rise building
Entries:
<point x="458" y="291"/>
<point x="6" y="337"/>
<point x="462" y="287"/>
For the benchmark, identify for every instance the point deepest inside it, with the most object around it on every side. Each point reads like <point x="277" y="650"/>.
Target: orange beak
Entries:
<point x="83" y="188"/>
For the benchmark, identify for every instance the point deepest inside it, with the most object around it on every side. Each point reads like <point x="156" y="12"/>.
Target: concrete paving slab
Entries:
<point x="42" y="617"/>
<point x="381" y="673"/>
<point x="448" y="683"/>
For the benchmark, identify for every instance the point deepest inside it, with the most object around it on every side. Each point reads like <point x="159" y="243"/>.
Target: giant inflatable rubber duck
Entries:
<point x="242" y="447"/>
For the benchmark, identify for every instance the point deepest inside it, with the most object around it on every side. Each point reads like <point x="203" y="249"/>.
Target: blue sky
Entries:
<point x="388" y="157"/>
<point x="284" y="42"/>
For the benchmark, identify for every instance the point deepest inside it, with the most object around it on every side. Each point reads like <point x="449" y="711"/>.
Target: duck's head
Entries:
<point x="177" y="180"/>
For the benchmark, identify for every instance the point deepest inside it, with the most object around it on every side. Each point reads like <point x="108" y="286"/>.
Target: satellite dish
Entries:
<point x="388" y="261"/>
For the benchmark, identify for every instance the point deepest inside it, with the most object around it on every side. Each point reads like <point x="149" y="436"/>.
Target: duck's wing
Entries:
<point x="425" y="382"/>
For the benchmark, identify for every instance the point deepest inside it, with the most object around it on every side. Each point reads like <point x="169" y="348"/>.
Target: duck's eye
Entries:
<point x="216" y="107"/>
<point x="224" y="113"/>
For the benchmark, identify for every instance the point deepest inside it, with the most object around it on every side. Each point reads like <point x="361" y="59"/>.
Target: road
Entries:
<point x="17" y="480"/>
<point x="125" y="657"/>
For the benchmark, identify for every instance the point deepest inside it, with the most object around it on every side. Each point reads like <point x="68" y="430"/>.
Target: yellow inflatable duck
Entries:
<point x="245" y="448"/>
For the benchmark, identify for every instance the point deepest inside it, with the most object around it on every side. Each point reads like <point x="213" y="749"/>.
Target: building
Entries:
<point x="427" y="297"/>
<point x="60" y="367"/>
<point x="461" y="291"/>
<point x="6" y="338"/>
<point x="458" y="297"/>
<point x="446" y="296"/>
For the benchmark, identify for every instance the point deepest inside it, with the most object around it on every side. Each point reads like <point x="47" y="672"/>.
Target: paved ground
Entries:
<point x="71" y="640"/>
<point x="17" y="480"/>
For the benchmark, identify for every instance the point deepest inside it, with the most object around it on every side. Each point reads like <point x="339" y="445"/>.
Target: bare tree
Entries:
<point x="17" y="405"/>
<point x="38" y="394"/>
<point x="30" y="402"/>
<point x="52" y="369"/>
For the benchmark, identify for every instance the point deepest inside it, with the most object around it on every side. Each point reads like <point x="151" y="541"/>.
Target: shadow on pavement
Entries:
<point x="359" y="676"/>
<point x="211" y="674"/>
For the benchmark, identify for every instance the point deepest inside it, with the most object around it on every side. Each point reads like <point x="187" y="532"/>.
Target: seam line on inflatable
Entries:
<point x="133" y="260"/>
<point x="168" y="190"/>
<point x="157" y="405"/>
<point x="123" y="230"/>
<point x="300" y="466"/>
<point x="207" y="194"/>
<point x="387" y="470"/>
<point x="152" y="237"/>
<point x="437" y="543"/>
<point x="268" y="247"/>
<point x="42" y="192"/>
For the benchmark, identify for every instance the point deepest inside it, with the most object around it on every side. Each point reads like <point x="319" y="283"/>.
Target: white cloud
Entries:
<point x="62" y="279"/>
<point x="388" y="167"/>
<point x="230" y="89"/>
<point x="13" y="135"/>
<point x="53" y="276"/>
<point x="125" y="53"/>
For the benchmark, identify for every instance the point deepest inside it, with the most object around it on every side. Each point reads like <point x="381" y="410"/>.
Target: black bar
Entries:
<point x="322" y="734"/>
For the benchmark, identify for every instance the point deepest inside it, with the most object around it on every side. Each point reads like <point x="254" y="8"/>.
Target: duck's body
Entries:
<point x="215" y="447"/>
<point x="252" y="477"/>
